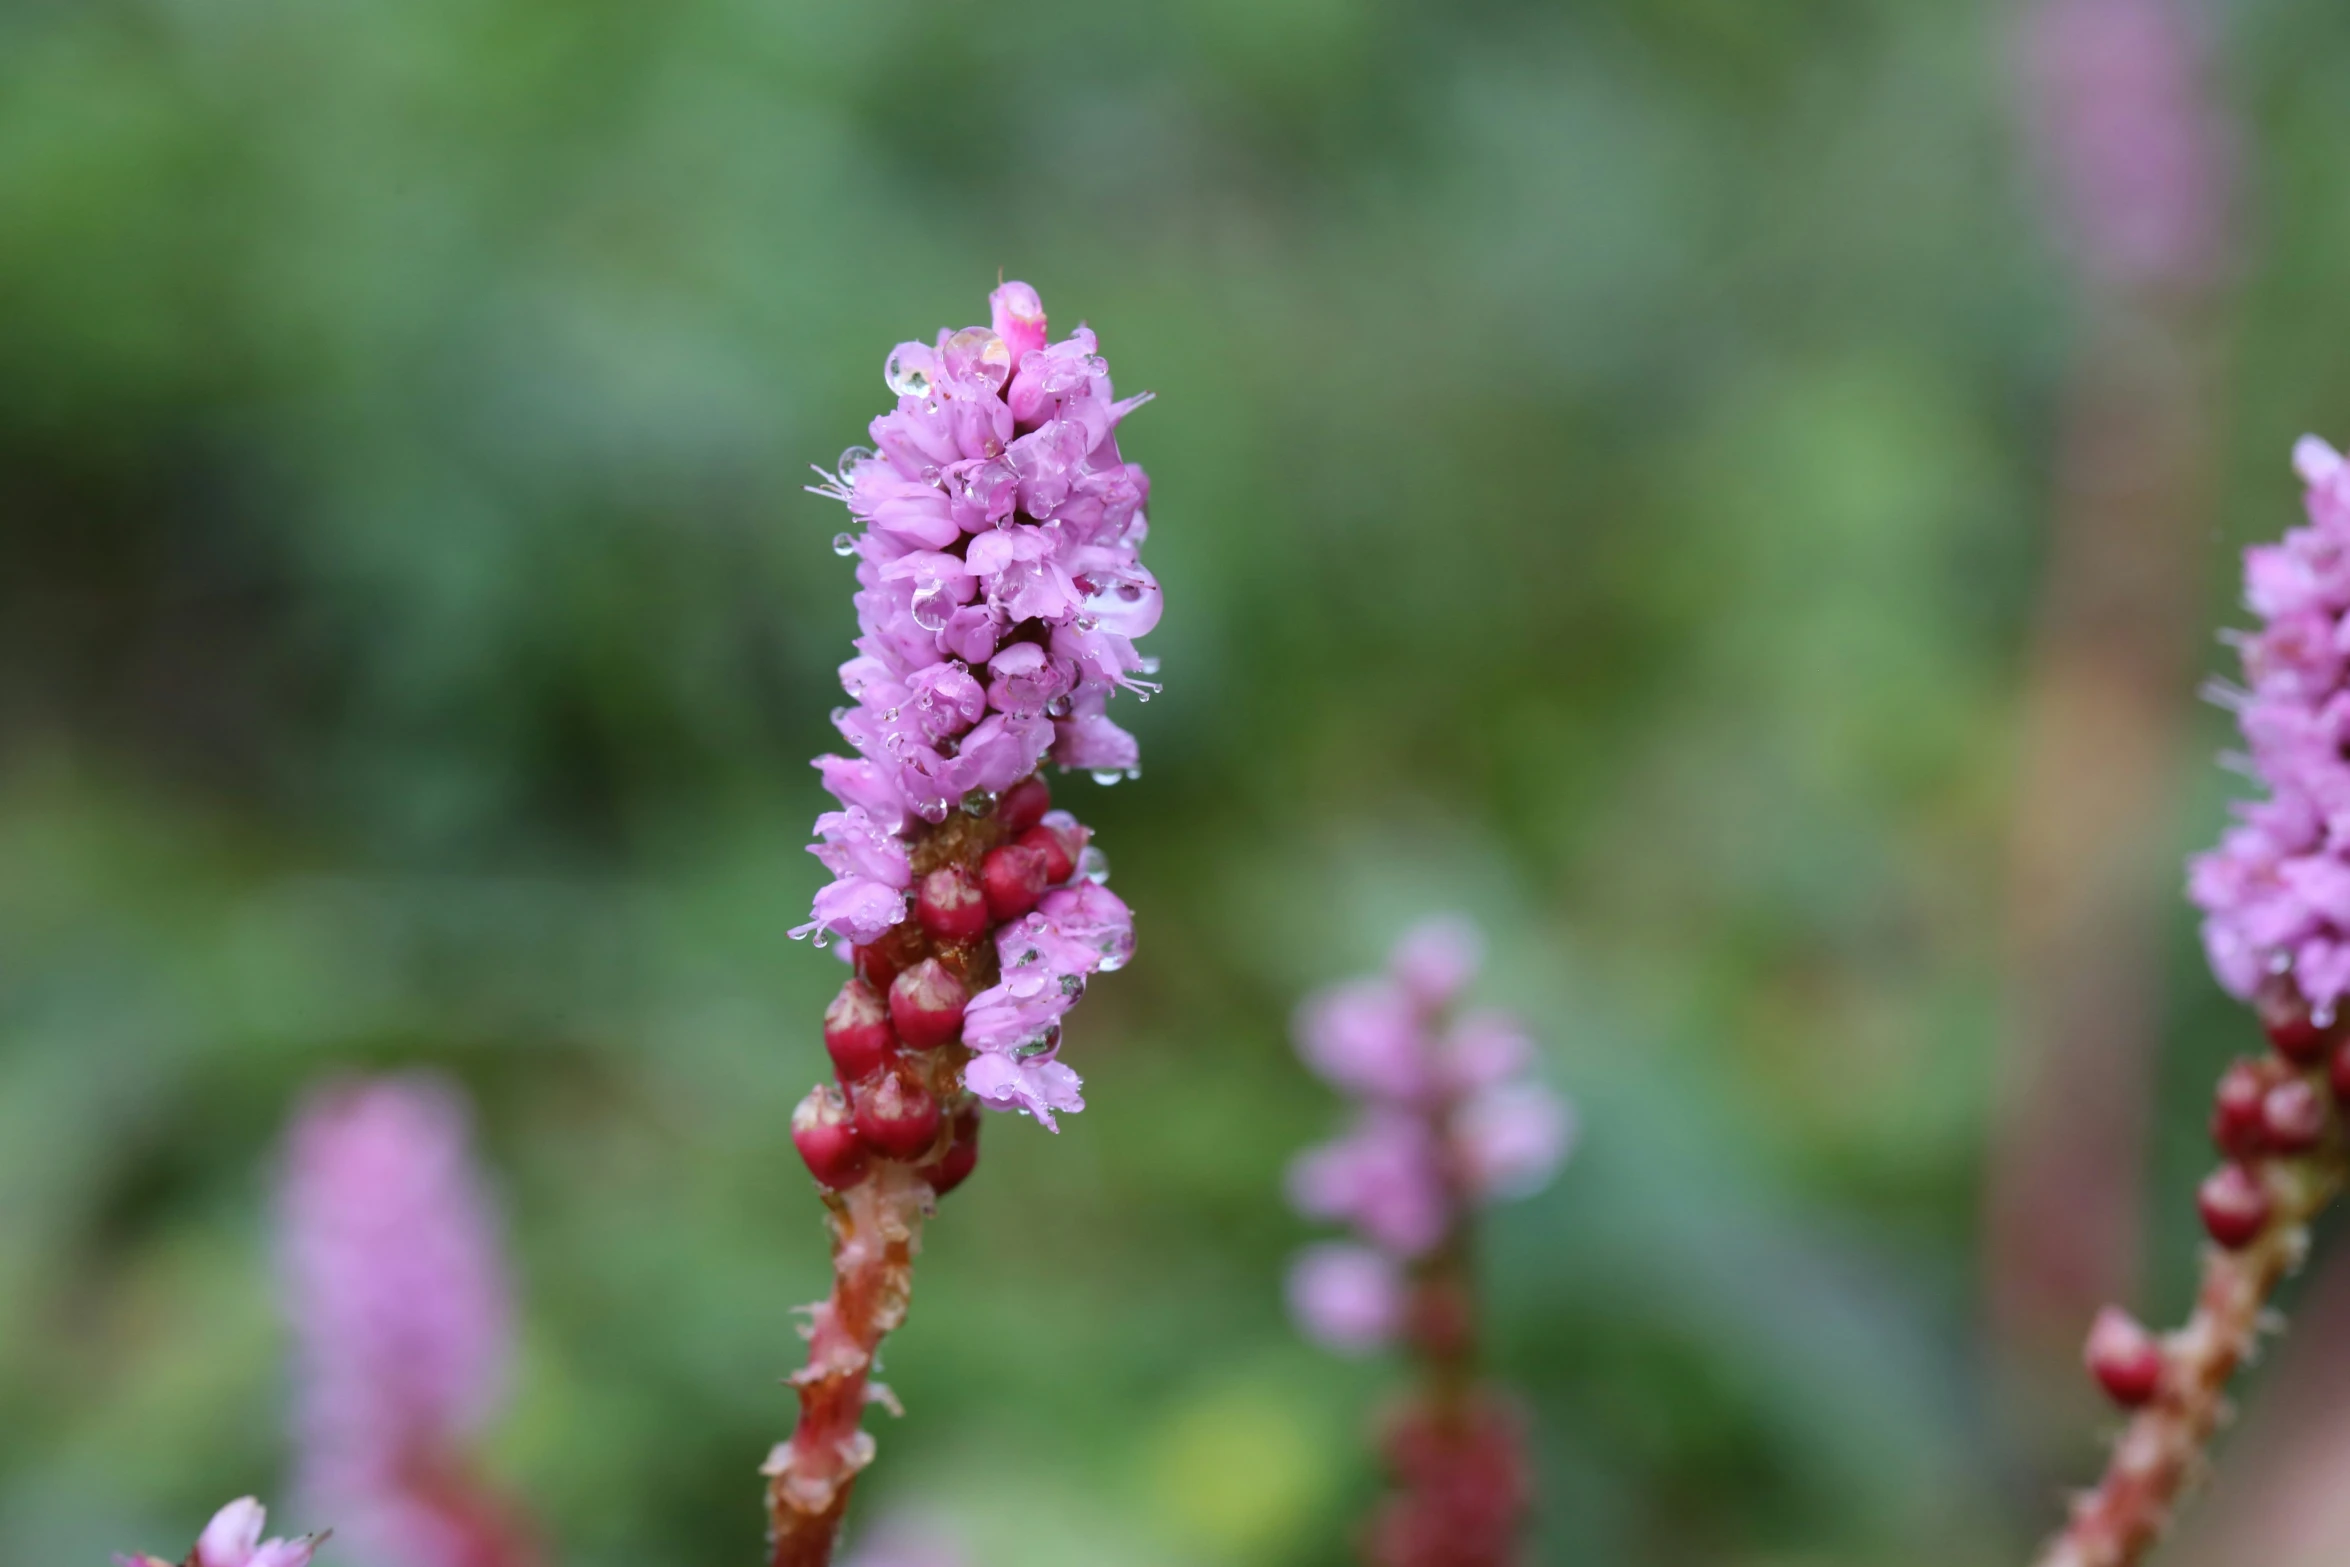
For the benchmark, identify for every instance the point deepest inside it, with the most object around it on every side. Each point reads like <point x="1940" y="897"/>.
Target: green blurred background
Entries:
<point x="1601" y="470"/>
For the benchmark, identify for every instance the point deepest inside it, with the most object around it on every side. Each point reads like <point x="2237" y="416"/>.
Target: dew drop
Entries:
<point x="979" y="802"/>
<point x="1059" y="707"/>
<point x="932" y="606"/>
<point x="844" y="544"/>
<point x="979" y="349"/>
<point x="1092" y="864"/>
<point x="850" y="457"/>
<point x="1106" y="776"/>
<point x="905" y="379"/>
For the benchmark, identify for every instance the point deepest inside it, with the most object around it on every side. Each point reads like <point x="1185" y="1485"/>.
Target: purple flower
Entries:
<point x="1347" y="1298"/>
<point x="398" y="1297"/>
<point x="2275" y="892"/>
<point x="1000" y="590"/>
<point x="1448" y="1119"/>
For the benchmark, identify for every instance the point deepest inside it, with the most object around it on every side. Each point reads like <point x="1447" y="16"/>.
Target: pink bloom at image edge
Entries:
<point x="2275" y="892"/>
<point x="1446" y="1120"/>
<point x="1000" y="593"/>
<point x="2140" y="156"/>
<point x="233" y="1539"/>
<point x="396" y="1288"/>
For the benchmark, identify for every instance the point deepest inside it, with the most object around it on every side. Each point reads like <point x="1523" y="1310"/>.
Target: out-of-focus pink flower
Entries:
<point x="233" y="1539"/>
<point x="1347" y="1298"/>
<point x="2275" y="893"/>
<point x="2140" y="157"/>
<point x="397" y="1292"/>
<point x="1448" y="1119"/>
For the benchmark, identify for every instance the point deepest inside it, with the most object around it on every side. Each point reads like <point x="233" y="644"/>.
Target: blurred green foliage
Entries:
<point x="1599" y="470"/>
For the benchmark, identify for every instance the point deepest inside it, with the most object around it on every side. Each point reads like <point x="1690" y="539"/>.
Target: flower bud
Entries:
<point x="954" y="1167"/>
<point x="2284" y="1014"/>
<point x="879" y="961"/>
<point x="856" y="1031"/>
<point x="2235" y="1206"/>
<point x="896" y="1115"/>
<point x="822" y="1131"/>
<point x="2239" y="1124"/>
<point x="2125" y="1359"/>
<point x="2294" y="1116"/>
<point x="1013" y="877"/>
<point x="2338" y="1069"/>
<point x="926" y="1003"/>
<point x="951" y="906"/>
<point x="1024" y="804"/>
<point x="1060" y="859"/>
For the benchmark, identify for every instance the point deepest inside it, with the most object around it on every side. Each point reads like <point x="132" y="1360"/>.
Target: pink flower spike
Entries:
<point x="1347" y="1298"/>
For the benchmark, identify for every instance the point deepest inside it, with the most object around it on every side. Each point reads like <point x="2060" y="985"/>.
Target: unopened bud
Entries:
<point x="951" y="906"/>
<point x="821" y="1129"/>
<point x="896" y="1115"/>
<point x="2284" y="1013"/>
<point x="1013" y="877"/>
<point x="954" y="1167"/>
<point x="2294" y="1114"/>
<point x="856" y="1031"/>
<point x="1024" y="804"/>
<point x="2235" y="1206"/>
<point x="2125" y="1359"/>
<point x="926" y="1003"/>
<point x="1060" y="859"/>
<point x="2239" y="1123"/>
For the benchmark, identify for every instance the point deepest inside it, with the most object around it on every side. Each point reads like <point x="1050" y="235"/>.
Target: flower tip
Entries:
<point x="1017" y="314"/>
<point x="233" y="1535"/>
<point x="2315" y="459"/>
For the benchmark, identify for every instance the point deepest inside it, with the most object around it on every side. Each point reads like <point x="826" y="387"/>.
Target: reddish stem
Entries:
<point x="2160" y="1454"/>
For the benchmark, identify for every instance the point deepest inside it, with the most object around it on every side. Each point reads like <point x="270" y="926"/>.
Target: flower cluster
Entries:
<point x="233" y="1539"/>
<point x="397" y="1292"/>
<point x="1447" y="1120"/>
<point x="2275" y="893"/>
<point x="999" y="595"/>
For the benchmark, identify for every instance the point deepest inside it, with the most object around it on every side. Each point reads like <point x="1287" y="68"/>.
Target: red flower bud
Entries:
<point x="2124" y="1358"/>
<point x="951" y="906"/>
<point x="1024" y="804"/>
<point x="954" y="1166"/>
<point x="822" y="1131"/>
<point x="2239" y="1125"/>
<point x="1013" y="879"/>
<point x="2294" y="1114"/>
<point x="896" y="1115"/>
<point x="2284" y="1013"/>
<point x="1060" y="857"/>
<point x="2235" y="1206"/>
<point x="856" y="1031"/>
<point x="926" y="1003"/>
<point x="2339" y="1069"/>
<point x="878" y="962"/>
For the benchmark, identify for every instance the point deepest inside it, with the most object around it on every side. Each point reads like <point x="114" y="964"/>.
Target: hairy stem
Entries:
<point x="876" y="1229"/>
<point x="2160" y="1454"/>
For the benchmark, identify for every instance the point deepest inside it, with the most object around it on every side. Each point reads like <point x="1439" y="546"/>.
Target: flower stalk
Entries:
<point x="999" y="592"/>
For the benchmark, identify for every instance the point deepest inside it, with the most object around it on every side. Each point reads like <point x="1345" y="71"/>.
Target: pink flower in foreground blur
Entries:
<point x="2139" y="155"/>
<point x="399" y="1302"/>
<point x="2275" y="893"/>
<point x="233" y="1539"/>
<point x="1446" y="1121"/>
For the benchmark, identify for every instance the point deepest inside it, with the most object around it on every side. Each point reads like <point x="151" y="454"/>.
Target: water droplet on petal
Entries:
<point x="904" y="378"/>
<point x="1093" y="865"/>
<point x="1059" y="707"/>
<point x="844" y="544"/>
<point x="979" y="802"/>
<point x="977" y="349"/>
<point x="932" y="606"/>
<point x="1106" y="776"/>
<point x="850" y="457"/>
